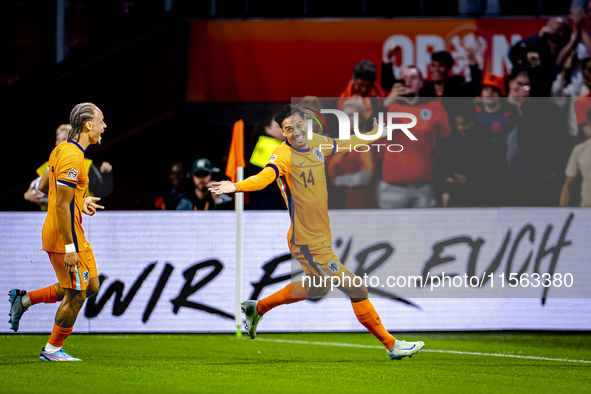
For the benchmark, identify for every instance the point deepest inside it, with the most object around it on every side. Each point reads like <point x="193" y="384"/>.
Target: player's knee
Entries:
<point x="317" y="291"/>
<point x="358" y="292"/>
<point x="75" y="301"/>
<point x="92" y="289"/>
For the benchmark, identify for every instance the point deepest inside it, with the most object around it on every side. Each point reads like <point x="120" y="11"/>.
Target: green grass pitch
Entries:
<point x="301" y="363"/>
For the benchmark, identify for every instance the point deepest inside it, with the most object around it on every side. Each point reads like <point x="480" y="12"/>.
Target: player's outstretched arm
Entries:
<point x="223" y="187"/>
<point x="250" y="184"/>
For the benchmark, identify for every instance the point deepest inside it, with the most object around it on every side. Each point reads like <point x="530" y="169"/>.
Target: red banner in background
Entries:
<point x="274" y="60"/>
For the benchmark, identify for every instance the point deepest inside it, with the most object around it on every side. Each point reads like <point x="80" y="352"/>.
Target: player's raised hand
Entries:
<point x="223" y="187"/>
<point x="90" y="207"/>
<point x="391" y="52"/>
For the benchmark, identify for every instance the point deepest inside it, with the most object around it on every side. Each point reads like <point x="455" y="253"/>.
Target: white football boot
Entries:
<point x="403" y="349"/>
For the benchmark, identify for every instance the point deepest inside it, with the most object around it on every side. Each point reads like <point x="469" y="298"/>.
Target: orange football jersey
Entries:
<point x="301" y="177"/>
<point x="66" y="169"/>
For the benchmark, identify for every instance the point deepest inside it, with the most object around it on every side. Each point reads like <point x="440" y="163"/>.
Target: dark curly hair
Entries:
<point x="286" y="111"/>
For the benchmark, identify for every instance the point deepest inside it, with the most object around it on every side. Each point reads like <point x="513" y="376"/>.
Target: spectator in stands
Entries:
<point x="492" y="106"/>
<point x="579" y="166"/>
<point x="541" y="68"/>
<point x="266" y="136"/>
<point x="363" y="85"/>
<point x="537" y="147"/>
<point x="566" y="91"/>
<point x="199" y="198"/>
<point x="442" y="84"/>
<point x="474" y="162"/>
<point x="354" y="171"/>
<point x="177" y="179"/>
<point x="100" y="181"/>
<point x="580" y="50"/>
<point x="518" y="87"/>
<point x="407" y="178"/>
<point x="553" y="43"/>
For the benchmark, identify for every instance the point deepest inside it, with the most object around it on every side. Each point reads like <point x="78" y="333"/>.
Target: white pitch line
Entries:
<point x="426" y="350"/>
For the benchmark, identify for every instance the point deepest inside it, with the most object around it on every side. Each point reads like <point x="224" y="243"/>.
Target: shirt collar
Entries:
<point x="297" y="149"/>
<point x="75" y="143"/>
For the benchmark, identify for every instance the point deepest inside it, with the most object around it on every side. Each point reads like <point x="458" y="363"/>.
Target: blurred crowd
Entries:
<point x="520" y="139"/>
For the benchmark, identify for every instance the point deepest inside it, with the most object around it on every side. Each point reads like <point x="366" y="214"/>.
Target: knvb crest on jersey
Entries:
<point x="318" y="153"/>
<point x="333" y="267"/>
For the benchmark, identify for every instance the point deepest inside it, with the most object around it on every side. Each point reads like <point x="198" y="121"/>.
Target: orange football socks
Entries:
<point x="46" y="295"/>
<point x="367" y="315"/>
<point x="283" y="296"/>
<point x="59" y="335"/>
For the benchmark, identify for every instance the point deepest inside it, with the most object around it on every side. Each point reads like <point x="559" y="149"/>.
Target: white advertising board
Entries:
<point x="175" y="271"/>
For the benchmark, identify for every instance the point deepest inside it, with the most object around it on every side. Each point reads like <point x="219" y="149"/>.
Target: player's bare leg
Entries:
<point x="369" y="318"/>
<point x="65" y="319"/>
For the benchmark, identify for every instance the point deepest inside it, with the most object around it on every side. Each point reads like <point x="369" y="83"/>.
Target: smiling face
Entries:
<point x="294" y="130"/>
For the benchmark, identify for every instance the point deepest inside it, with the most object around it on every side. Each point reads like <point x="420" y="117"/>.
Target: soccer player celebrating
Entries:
<point x="298" y="167"/>
<point x="66" y="184"/>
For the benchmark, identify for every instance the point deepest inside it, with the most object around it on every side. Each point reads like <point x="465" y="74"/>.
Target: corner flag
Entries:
<point x="235" y="171"/>
<point x="236" y="155"/>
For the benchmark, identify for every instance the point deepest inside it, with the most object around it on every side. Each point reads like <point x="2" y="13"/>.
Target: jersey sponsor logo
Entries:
<point x="85" y="276"/>
<point x="333" y="267"/>
<point x="318" y="153"/>
<point x="425" y="114"/>
<point x="302" y="163"/>
<point x="72" y="174"/>
<point x="272" y="158"/>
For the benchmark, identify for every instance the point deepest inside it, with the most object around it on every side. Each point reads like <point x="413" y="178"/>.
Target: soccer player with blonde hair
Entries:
<point x="298" y="167"/>
<point x="71" y="255"/>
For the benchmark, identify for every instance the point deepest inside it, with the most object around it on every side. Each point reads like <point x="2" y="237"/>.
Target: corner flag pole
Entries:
<point x="239" y="250"/>
<point x="235" y="171"/>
